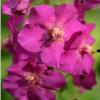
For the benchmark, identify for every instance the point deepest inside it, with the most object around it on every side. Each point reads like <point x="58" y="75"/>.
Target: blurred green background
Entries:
<point x="69" y="92"/>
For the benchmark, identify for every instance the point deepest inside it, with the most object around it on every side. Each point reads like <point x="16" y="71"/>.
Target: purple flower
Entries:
<point x="84" y="80"/>
<point x="11" y="44"/>
<point x="78" y="52"/>
<point x="84" y="5"/>
<point x="17" y="52"/>
<point x="18" y="7"/>
<point x="29" y="80"/>
<point x="49" y="27"/>
<point x="87" y="4"/>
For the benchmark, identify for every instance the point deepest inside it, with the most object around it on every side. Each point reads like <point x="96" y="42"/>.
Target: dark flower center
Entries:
<point x="82" y="77"/>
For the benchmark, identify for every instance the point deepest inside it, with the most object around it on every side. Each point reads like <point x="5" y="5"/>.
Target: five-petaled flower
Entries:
<point x="17" y="7"/>
<point x="30" y="80"/>
<point x="48" y="30"/>
<point x="78" y="54"/>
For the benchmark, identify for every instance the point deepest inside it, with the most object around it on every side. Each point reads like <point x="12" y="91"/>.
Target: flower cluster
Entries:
<point x="46" y="43"/>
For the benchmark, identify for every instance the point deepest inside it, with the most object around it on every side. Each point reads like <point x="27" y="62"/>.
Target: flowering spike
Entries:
<point x="48" y="43"/>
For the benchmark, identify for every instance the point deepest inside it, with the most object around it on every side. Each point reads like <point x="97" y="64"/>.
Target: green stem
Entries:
<point x="46" y="1"/>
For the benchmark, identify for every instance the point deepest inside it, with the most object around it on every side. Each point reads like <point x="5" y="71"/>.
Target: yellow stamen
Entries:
<point x="30" y="78"/>
<point x="57" y="34"/>
<point x="86" y="48"/>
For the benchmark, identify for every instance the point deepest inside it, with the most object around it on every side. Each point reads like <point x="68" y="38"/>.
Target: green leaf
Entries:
<point x="46" y="1"/>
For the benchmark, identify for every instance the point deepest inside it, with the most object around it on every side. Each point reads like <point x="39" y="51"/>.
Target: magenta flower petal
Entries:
<point x="47" y="39"/>
<point x="24" y="97"/>
<point x="43" y="14"/>
<point x="80" y="37"/>
<point x="51" y="55"/>
<point x="89" y="39"/>
<point x="53" y="80"/>
<point x="72" y="27"/>
<point x="68" y="62"/>
<point x="24" y="4"/>
<point x="18" y="54"/>
<point x="13" y="3"/>
<point x="30" y="38"/>
<point x="16" y="7"/>
<point x="6" y="9"/>
<point x="87" y="63"/>
<point x="74" y="63"/>
<point x="68" y="13"/>
<point x="84" y="80"/>
<point x="40" y="94"/>
<point x="29" y="82"/>
<point x="78" y="52"/>
<point x="8" y="83"/>
<point x="19" y="93"/>
<point x="11" y="43"/>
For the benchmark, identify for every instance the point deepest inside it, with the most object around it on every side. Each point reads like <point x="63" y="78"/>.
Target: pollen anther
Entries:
<point x="57" y="34"/>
